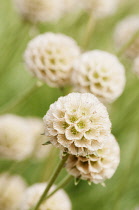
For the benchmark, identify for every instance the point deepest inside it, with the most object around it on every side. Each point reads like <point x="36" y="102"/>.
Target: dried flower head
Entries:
<point x="124" y="32"/>
<point x="37" y="129"/>
<point x="101" y="8"/>
<point x="11" y="191"/>
<point x="59" y="201"/>
<point x="136" y="66"/>
<point x="100" y="73"/>
<point x="39" y="10"/>
<point x="50" y="57"/>
<point x="16" y="140"/>
<point x="97" y="167"/>
<point x="77" y="123"/>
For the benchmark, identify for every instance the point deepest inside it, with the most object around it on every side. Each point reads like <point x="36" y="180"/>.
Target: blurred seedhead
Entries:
<point x="59" y="201"/>
<point x="101" y="8"/>
<point x="124" y="32"/>
<point x="100" y="73"/>
<point x="50" y="58"/>
<point x="12" y="189"/>
<point x="39" y="10"/>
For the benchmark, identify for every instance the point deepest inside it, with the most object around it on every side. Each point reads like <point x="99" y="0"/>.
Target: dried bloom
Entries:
<point x="136" y="66"/>
<point x="101" y="8"/>
<point x="77" y="123"/>
<point x="11" y="191"/>
<point x="100" y="73"/>
<point x="98" y="166"/>
<point x="16" y="140"/>
<point x="71" y="5"/>
<point x="124" y="32"/>
<point x="59" y="201"/>
<point x="50" y="57"/>
<point x="37" y="129"/>
<point x="40" y="10"/>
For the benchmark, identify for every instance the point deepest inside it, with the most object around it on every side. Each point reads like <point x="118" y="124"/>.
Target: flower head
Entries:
<point x="124" y="32"/>
<point x="77" y="123"/>
<point x="50" y="57"/>
<point x="11" y="191"/>
<point x="59" y="201"/>
<point x="98" y="166"/>
<point x="136" y="66"/>
<point x="40" y="10"/>
<point x="16" y="141"/>
<point x="100" y="73"/>
<point x="101" y="8"/>
<point x="37" y="129"/>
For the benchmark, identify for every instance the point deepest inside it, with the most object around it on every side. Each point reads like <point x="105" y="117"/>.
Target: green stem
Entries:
<point x="11" y="105"/>
<point x="128" y="44"/>
<point x="62" y="184"/>
<point x="51" y="181"/>
<point x="89" y="29"/>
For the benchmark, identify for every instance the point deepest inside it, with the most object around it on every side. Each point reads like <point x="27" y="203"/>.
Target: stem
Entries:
<point x="11" y="105"/>
<point x="128" y="44"/>
<point x="62" y="184"/>
<point x="51" y="181"/>
<point x="89" y="29"/>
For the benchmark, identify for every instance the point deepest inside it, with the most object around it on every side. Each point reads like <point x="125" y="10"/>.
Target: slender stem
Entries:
<point x="62" y="184"/>
<point x="51" y="181"/>
<point x="128" y="44"/>
<point x="89" y="29"/>
<point x="15" y="102"/>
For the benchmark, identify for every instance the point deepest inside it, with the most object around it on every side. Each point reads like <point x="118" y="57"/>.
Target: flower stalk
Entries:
<point x="51" y="181"/>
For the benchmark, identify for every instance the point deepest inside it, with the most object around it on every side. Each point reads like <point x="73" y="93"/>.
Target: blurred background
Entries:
<point x="122" y="191"/>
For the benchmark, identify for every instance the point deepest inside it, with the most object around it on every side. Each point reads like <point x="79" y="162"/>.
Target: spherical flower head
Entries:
<point x="101" y="8"/>
<point x="16" y="140"/>
<point x="77" y="123"/>
<point x="124" y="32"/>
<point x="97" y="167"/>
<point x="136" y="66"/>
<point x="100" y="73"/>
<point x="50" y="57"/>
<point x="37" y="129"/>
<point x="59" y="201"/>
<point x="39" y="10"/>
<point x="70" y="6"/>
<point x="11" y="191"/>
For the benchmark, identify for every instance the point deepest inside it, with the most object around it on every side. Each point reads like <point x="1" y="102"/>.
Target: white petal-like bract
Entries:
<point x="77" y="123"/>
<point x="99" y="166"/>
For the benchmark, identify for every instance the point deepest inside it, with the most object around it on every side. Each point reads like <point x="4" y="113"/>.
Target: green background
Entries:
<point x="122" y="191"/>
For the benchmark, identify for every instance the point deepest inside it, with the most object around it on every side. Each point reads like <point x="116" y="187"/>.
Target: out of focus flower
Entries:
<point x="59" y="201"/>
<point x="97" y="167"/>
<point x="37" y="129"/>
<point x="50" y="57"/>
<point x="100" y="73"/>
<point x="16" y="140"/>
<point x="77" y="123"/>
<point x="101" y="8"/>
<point x="124" y="32"/>
<point x="11" y="191"/>
<point x="136" y="66"/>
<point x="40" y="10"/>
